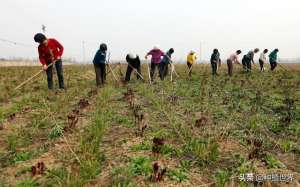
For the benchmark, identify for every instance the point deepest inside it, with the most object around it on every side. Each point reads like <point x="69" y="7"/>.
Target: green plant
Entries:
<point x="177" y="175"/>
<point x="122" y="177"/>
<point x="276" y="128"/>
<point x="89" y="169"/>
<point x="272" y="162"/>
<point x="12" y="142"/>
<point x="205" y="152"/>
<point x="242" y="165"/>
<point x="287" y="145"/>
<point x="56" y="131"/>
<point x="140" y="166"/>
<point x="27" y="183"/>
<point x="145" y="145"/>
<point x="185" y="165"/>
<point x="23" y="171"/>
<point x="222" y="177"/>
<point x="22" y="156"/>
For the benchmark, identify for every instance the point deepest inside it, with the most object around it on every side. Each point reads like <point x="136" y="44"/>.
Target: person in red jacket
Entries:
<point x="50" y="51"/>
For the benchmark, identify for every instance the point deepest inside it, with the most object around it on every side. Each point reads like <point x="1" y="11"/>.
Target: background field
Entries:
<point x="213" y="128"/>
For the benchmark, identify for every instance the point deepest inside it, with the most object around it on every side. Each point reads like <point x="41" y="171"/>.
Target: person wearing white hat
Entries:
<point x="133" y="62"/>
<point x="156" y="55"/>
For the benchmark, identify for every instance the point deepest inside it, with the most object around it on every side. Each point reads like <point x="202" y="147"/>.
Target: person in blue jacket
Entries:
<point x="163" y="66"/>
<point x="99" y="65"/>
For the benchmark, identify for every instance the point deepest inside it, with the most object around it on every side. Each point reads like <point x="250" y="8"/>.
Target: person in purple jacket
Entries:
<point x="156" y="55"/>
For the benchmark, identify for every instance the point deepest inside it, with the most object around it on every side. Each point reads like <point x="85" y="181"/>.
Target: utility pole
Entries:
<point x="44" y="29"/>
<point x="201" y="51"/>
<point x="200" y="54"/>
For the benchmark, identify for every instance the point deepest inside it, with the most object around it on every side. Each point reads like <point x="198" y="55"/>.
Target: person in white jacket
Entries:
<point x="263" y="60"/>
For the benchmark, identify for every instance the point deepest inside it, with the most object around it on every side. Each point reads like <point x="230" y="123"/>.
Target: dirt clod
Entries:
<point x="38" y="169"/>
<point x="12" y="116"/>
<point x="173" y="98"/>
<point x="129" y="95"/>
<point x="158" y="172"/>
<point x="83" y="103"/>
<point x="201" y="122"/>
<point x="26" y="110"/>
<point x="158" y="143"/>
<point x="73" y="118"/>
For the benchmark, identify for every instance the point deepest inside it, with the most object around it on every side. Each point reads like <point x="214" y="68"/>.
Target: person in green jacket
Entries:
<point x="273" y="59"/>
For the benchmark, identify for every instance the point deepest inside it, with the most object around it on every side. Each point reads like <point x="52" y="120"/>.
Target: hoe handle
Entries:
<point x="28" y="80"/>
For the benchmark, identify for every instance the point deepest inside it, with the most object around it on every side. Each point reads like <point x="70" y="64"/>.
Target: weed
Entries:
<point x="272" y="162"/>
<point x="27" y="183"/>
<point x="22" y="156"/>
<point x="221" y="178"/>
<point x="145" y="145"/>
<point x="185" y="165"/>
<point x="89" y="169"/>
<point x="121" y="178"/>
<point x="56" y="131"/>
<point x="22" y="171"/>
<point x="287" y="145"/>
<point x="140" y="166"/>
<point x="276" y="128"/>
<point x="12" y="142"/>
<point x="204" y="152"/>
<point x="177" y="175"/>
<point x="56" y="176"/>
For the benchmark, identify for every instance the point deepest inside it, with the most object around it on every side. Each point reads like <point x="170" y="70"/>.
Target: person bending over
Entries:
<point x="50" y="52"/>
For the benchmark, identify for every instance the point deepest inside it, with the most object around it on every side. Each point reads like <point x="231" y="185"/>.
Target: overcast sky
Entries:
<point x="136" y="25"/>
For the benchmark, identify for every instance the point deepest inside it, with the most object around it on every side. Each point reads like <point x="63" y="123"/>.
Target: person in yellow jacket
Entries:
<point x="191" y="59"/>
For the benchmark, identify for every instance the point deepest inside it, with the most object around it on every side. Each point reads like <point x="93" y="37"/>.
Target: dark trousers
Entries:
<point x="230" y="67"/>
<point x="152" y="70"/>
<point x="163" y="70"/>
<point x="261" y="65"/>
<point x="244" y="62"/>
<point x="129" y="71"/>
<point x="214" y="67"/>
<point x="273" y="65"/>
<point x="189" y="68"/>
<point x="248" y="64"/>
<point x="100" y="70"/>
<point x="60" y="75"/>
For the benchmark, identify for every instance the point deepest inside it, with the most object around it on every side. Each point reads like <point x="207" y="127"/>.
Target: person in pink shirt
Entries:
<point x="233" y="59"/>
<point x="156" y="55"/>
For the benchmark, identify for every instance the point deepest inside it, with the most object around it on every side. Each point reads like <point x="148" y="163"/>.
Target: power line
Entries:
<point x="15" y="43"/>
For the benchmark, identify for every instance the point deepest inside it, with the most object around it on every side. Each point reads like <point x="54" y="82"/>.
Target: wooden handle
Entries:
<point x="35" y="75"/>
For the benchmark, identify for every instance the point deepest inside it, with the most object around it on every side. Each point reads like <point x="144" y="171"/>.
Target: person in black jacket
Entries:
<point x="249" y="59"/>
<point x="133" y="62"/>
<point x="214" y="60"/>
